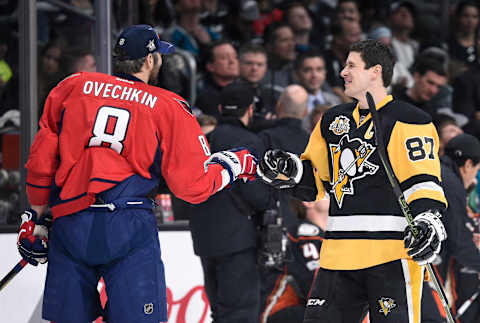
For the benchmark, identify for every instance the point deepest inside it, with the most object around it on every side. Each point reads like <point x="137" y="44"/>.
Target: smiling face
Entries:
<point x="357" y="78"/>
<point x="312" y="74"/>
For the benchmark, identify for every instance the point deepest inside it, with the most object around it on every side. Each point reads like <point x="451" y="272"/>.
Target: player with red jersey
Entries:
<point x="104" y="144"/>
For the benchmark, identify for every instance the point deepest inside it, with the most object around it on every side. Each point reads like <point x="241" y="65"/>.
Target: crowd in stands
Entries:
<point x="270" y="45"/>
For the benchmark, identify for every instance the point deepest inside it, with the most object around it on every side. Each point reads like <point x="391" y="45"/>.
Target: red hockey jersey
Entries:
<point x="97" y="130"/>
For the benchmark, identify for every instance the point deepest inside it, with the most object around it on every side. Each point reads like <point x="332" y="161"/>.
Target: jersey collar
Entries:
<point x="356" y="112"/>
<point x="128" y="77"/>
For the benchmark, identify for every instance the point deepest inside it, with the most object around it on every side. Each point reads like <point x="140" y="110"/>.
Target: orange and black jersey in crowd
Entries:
<point x="365" y="226"/>
<point x="293" y="285"/>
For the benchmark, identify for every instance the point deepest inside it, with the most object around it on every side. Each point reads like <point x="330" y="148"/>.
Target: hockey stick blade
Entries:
<point x="401" y="199"/>
<point x="12" y="273"/>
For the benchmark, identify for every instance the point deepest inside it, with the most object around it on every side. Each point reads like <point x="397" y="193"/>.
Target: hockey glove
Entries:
<point x="425" y="246"/>
<point x="32" y="242"/>
<point x="280" y="169"/>
<point x="238" y="162"/>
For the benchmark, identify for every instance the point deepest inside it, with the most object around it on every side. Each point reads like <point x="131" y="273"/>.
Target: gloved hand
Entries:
<point x="239" y="163"/>
<point x="32" y="242"/>
<point x="425" y="246"/>
<point x="280" y="169"/>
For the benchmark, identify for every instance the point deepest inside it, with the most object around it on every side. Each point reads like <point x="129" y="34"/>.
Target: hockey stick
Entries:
<point x="464" y="307"/>
<point x="401" y="199"/>
<point x="12" y="273"/>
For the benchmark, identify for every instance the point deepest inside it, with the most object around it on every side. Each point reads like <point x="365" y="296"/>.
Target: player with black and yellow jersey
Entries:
<point x="369" y="258"/>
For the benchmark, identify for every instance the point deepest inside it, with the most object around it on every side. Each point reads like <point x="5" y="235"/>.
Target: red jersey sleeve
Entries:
<point x="184" y="151"/>
<point x="43" y="159"/>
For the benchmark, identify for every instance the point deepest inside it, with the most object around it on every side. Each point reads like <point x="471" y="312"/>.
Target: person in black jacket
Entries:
<point x="288" y="134"/>
<point x="223" y="228"/>
<point x="460" y="165"/>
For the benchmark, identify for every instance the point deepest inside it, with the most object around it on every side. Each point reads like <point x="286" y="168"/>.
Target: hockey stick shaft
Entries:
<point x="401" y="199"/>
<point x="12" y="273"/>
<point x="464" y="307"/>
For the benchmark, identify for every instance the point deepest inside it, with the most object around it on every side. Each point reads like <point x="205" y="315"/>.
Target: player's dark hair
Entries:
<point x="312" y="53"/>
<point x="250" y="48"/>
<point x="210" y="52"/>
<point x="128" y="66"/>
<point x="423" y="64"/>
<point x="374" y="52"/>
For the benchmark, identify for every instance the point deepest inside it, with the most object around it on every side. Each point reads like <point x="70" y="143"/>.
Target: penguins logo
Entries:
<point x="386" y="305"/>
<point x="349" y="162"/>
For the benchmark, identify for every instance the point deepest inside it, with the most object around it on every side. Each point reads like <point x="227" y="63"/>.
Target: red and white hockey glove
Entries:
<point x="238" y="162"/>
<point x="280" y="169"/>
<point x="32" y="242"/>
<point x="425" y="246"/>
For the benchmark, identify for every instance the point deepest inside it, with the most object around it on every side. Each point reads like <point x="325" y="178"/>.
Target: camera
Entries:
<point x="273" y="240"/>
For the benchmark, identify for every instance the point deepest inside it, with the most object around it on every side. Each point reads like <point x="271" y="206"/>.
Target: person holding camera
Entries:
<point x="223" y="228"/>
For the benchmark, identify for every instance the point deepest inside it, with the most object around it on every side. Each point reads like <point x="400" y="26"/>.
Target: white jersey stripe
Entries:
<point x="366" y="223"/>
<point x="422" y="186"/>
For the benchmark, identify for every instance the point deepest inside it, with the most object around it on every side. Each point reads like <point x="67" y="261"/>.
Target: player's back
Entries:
<point x="110" y="128"/>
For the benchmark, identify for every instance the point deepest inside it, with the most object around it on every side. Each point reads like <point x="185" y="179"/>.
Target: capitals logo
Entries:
<point x="349" y="163"/>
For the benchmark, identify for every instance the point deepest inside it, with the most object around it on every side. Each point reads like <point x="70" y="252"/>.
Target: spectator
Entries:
<point x="222" y="69"/>
<point x="223" y="228"/>
<point x="464" y="39"/>
<point x="460" y="165"/>
<point x="49" y="73"/>
<point x="401" y="75"/>
<point x="316" y="115"/>
<point x="429" y="75"/>
<point x="158" y="13"/>
<point x="298" y="17"/>
<point x="344" y="33"/>
<point x="6" y="72"/>
<point x="280" y="45"/>
<point x="402" y="15"/>
<point x="447" y="128"/>
<point x="253" y="66"/>
<point x="311" y="73"/>
<point x="348" y="10"/>
<point x="286" y="302"/>
<point x="75" y="60"/>
<point x="188" y="33"/>
<point x="240" y="28"/>
<point x="288" y="134"/>
<point x="215" y="16"/>
<point x="322" y="14"/>
<point x="207" y="123"/>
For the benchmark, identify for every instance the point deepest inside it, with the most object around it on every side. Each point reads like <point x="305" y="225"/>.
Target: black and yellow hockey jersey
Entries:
<point x="365" y="225"/>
